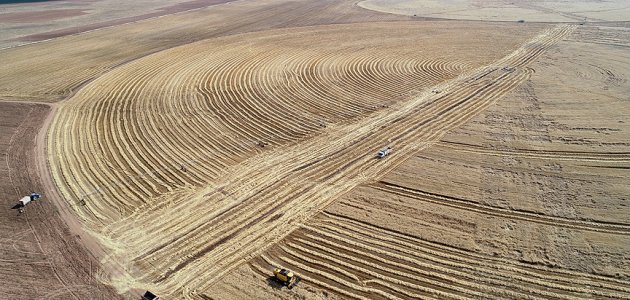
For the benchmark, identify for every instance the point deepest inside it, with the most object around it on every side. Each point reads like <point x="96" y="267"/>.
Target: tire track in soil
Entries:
<point x="540" y="154"/>
<point x="529" y="216"/>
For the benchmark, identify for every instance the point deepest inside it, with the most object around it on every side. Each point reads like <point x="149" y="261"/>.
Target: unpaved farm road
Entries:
<point x="265" y="198"/>
<point x="41" y="257"/>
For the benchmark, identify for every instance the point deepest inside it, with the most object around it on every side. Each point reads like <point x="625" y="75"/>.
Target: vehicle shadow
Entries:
<point x="273" y="283"/>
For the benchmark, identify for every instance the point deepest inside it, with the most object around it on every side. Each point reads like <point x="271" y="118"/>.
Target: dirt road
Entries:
<point x="41" y="256"/>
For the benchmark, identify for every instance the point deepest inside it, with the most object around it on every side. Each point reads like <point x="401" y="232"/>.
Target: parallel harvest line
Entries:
<point x="513" y="214"/>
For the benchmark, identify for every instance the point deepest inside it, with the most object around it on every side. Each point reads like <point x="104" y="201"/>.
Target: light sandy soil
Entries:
<point x="193" y="153"/>
<point x="507" y="10"/>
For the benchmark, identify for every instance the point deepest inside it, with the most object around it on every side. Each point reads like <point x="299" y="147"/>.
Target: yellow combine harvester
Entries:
<point x="286" y="277"/>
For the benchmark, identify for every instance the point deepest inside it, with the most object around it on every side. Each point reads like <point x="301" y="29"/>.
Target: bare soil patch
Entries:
<point x="93" y="26"/>
<point x="30" y="22"/>
<point x="40" y="256"/>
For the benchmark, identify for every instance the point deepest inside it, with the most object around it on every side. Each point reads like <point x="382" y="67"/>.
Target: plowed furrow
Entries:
<point x="597" y="226"/>
<point x="540" y="154"/>
<point x="366" y="234"/>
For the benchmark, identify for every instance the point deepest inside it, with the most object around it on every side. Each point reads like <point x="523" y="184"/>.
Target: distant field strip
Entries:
<point x="363" y="261"/>
<point x="212" y="153"/>
<point x="602" y="35"/>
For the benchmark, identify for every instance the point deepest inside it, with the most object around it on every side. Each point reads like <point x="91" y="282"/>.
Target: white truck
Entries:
<point x="384" y="152"/>
<point x="26" y="200"/>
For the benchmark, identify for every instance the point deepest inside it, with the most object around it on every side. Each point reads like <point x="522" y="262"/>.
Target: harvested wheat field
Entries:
<point x="193" y="153"/>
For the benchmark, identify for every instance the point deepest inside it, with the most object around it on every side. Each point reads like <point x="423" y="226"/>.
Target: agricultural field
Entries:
<point x="192" y="153"/>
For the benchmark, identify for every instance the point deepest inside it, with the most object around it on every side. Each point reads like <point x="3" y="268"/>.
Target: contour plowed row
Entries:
<point x="183" y="235"/>
<point x="362" y="261"/>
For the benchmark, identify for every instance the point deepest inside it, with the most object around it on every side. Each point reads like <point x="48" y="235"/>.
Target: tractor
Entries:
<point x="286" y="277"/>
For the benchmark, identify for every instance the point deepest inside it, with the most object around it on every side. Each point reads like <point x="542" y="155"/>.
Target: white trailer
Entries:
<point x="25" y="200"/>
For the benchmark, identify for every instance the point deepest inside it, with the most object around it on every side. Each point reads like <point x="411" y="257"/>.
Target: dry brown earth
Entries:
<point x="25" y="23"/>
<point x="40" y="256"/>
<point x="26" y="17"/>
